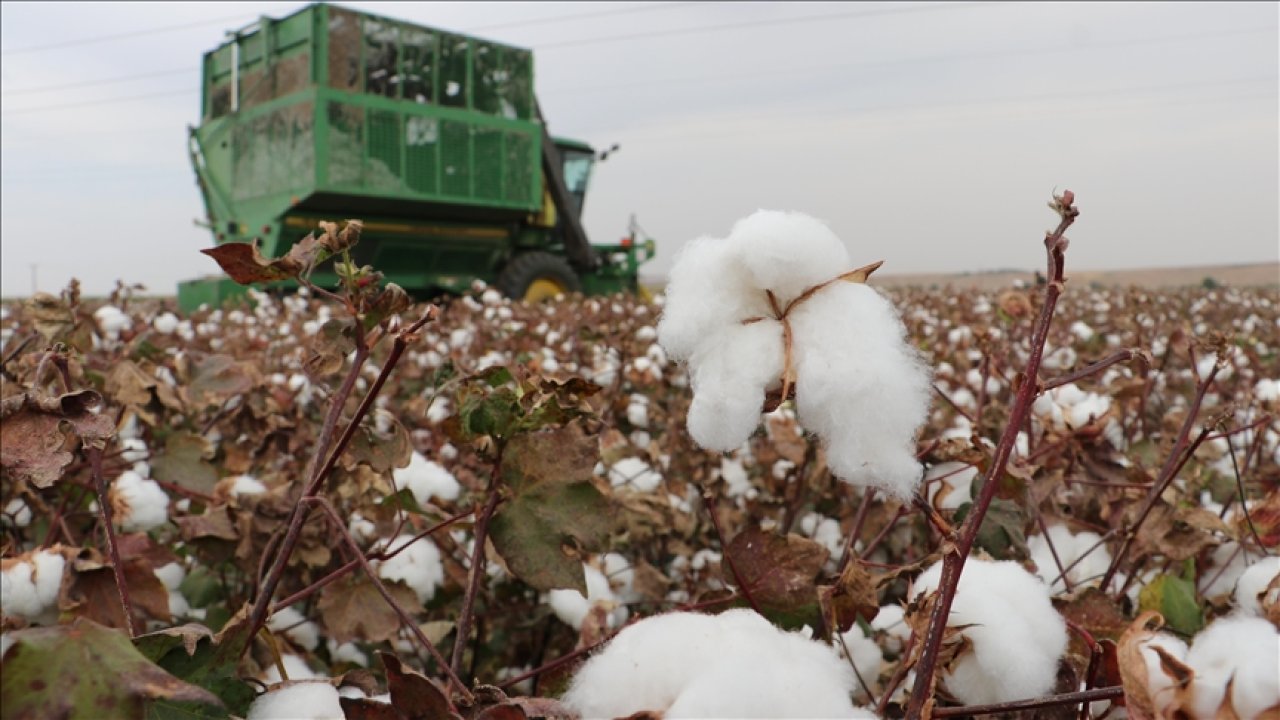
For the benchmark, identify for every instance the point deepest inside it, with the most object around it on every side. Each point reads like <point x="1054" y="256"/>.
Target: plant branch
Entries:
<point x="104" y="504"/>
<point x="1085" y="696"/>
<point x="710" y="500"/>
<point x="954" y="558"/>
<point x="478" y="558"/>
<point x="1087" y="370"/>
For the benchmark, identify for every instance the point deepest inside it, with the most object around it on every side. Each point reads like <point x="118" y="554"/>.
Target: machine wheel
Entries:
<point x="537" y="276"/>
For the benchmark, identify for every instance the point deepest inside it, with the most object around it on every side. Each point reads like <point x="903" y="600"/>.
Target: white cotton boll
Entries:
<point x="787" y="252"/>
<point x="866" y="657"/>
<point x="178" y="605"/>
<point x="171" y="575"/>
<point x="294" y="666"/>
<point x="140" y="504"/>
<point x="1083" y="553"/>
<point x="426" y="480"/>
<point x="735" y="664"/>
<point x="112" y="321"/>
<point x="362" y="529"/>
<point x="419" y="566"/>
<point x="301" y="701"/>
<point x="1082" y="331"/>
<point x="17" y="512"/>
<point x="246" y="485"/>
<point x="166" y="323"/>
<point x="1267" y="390"/>
<point x="1016" y="636"/>
<point x="347" y="652"/>
<point x="646" y="333"/>
<point x="295" y="627"/>
<point x="825" y="531"/>
<point x="708" y="289"/>
<point x="638" y="410"/>
<point x="954" y="481"/>
<point x="30" y="588"/>
<point x="1227" y="563"/>
<point x="1160" y="687"/>
<point x="572" y="608"/>
<point x="737" y="482"/>
<point x="636" y="473"/>
<point x="891" y="620"/>
<point x="1243" y="651"/>
<point x="730" y="376"/>
<point x="1253" y="582"/>
<point x="860" y="386"/>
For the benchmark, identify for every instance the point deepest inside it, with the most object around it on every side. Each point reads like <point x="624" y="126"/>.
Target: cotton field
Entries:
<point x="1139" y="516"/>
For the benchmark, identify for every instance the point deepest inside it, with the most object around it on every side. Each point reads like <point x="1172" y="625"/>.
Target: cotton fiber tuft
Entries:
<point x="858" y="382"/>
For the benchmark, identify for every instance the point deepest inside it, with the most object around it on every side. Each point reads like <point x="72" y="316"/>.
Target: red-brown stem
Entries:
<point x="478" y="558"/>
<point x="953" y="405"/>
<point x="104" y="504"/>
<point x="858" y="521"/>
<point x="316" y="473"/>
<point x="1087" y="370"/>
<point x="954" y="558"/>
<point x="1170" y="470"/>
<point x="405" y="620"/>
<point x="982" y="393"/>
<point x="1062" y="571"/>
<point x="1085" y="696"/>
<point x="884" y="533"/>
<point x="710" y="500"/>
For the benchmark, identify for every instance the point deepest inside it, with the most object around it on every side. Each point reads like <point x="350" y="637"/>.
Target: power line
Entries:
<point x="120" y="36"/>
<point x="582" y="16"/>
<point x="926" y="59"/>
<point x="107" y="101"/>
<point x="895" y="10"/>
<point x="105" y="81"/>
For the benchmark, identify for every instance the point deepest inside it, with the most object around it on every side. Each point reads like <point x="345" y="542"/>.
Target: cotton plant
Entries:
<point x="765" y="311"/>
<point x="735" y="664"/>
<point x="1013" y="635"/>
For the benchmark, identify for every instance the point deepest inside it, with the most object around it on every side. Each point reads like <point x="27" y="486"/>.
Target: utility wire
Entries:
<point x="120" y="36"/>
<point x="104" y="81"/>
<point x="582" y="16"/>
<point x="893" y="10"/>
<point x="107" y="101"/>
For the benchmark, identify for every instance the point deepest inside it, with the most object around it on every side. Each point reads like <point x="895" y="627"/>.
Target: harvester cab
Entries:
<point x="433" y="139"/>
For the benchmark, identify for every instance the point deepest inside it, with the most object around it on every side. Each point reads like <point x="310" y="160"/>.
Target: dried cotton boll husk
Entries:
<point x="768" y="242"/>
<point x="1015" y="635"/>
<point x="860" y="386"/>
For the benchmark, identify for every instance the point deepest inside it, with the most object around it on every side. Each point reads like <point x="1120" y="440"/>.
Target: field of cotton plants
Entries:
<point x="735" y="500"/>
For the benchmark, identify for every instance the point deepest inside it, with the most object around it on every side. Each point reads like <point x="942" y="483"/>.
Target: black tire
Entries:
<point x="530" y="272"/>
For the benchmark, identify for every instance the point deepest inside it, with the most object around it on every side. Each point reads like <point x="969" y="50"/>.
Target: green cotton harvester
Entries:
<point x="433" y="139"/>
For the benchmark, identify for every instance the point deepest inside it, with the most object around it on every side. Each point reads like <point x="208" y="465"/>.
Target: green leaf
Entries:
<point x="1002" y="533"/>
<point x="555" y="514"/>
<point x="87" y="670"/>
<point x="184" y="462"/>
<point x="1175" y="599"/>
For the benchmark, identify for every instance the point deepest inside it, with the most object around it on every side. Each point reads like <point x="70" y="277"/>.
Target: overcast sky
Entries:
<point x="927" y="135"/>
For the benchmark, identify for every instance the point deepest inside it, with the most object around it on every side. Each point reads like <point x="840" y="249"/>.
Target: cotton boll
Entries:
<point x="730" y="376"/>
<point x="707" y="289"/>
<point x="426" y="480"/>
<point x="139" y="504"/>
<point x="787" y="252"/>
<point x="953" y="482"/>
<point x="1253" y="582"/>
<point x="166" y="323"/>
<point x="866" y="657"/>
<point x="246" y="485"/>
<point x="297" y="628"/>
<point x="17" y="513"/>
<point x="346" y="653"/>
<point x="30" y="587"/>
<point x="294" y="666"/>
<point x="418" y="565"/>
<point x="1160" y="686"/>
<point x="171" y="575"/>
<point x="572" y="608"/>
<point x="638" y="409"/>
<point x="1015" y="635"/>
<point x="737" y="482"/>
<point x="860" y="386"/>
<point x="735" y="664"/>
<point x="1084" y="554"/>
<point x="1244" y="651"/>
<point x="300" y="701"/>
<point x="636" y="473"/>
<point x="891" y="621"/>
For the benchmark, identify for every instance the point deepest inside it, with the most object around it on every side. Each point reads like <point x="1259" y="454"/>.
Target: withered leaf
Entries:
<point x="414" y="695"/>
<point x="246" y="265"/>
<point x="218" y="378"/>
<point x="51" y="316"/>
<point x="778" y="571"/>
<point x="353" y="609"/>
<point x="852" y="596"/>
<point x="184" y="462"/>
<point x="34" y="434"/>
